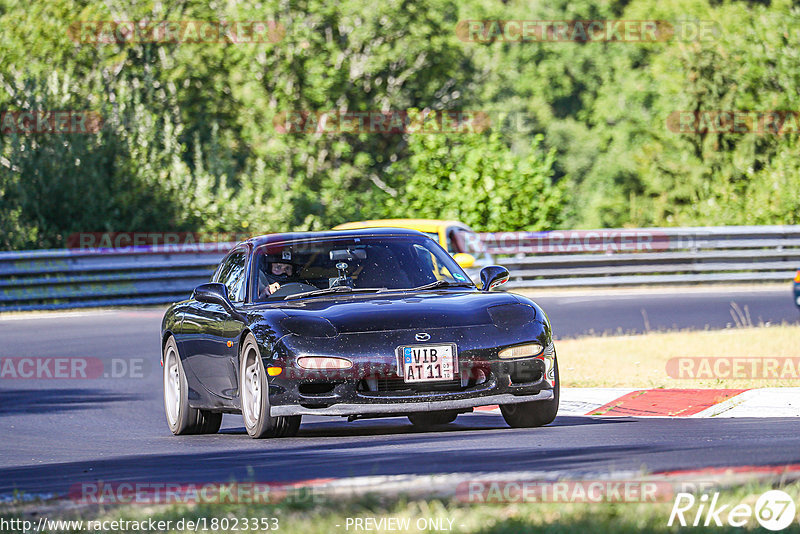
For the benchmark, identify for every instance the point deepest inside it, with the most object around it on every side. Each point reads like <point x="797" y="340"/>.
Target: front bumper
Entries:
<point x="410" y="407"/>
<point x="483" y="378"/>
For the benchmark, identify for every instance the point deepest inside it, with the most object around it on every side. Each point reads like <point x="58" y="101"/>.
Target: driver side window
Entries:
<point x="232" y="275"/>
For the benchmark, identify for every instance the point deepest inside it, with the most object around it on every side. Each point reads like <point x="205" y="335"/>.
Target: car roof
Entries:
<point x="423" y="225"/>
<point x="266" y="239"/>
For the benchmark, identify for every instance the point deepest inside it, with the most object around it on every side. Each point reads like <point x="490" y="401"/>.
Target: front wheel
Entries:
<point x="535" y="413"/>
<point x="254" y="396"/>
<point x="182" y="418"/>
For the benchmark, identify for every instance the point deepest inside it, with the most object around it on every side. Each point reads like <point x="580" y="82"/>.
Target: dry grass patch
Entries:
<point x="641" y="361"/>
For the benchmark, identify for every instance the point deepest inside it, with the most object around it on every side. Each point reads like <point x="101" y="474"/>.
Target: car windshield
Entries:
<point x="352" y="263"/>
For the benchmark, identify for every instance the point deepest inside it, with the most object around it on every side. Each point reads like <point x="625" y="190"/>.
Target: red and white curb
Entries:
<point x="629" y="402"/>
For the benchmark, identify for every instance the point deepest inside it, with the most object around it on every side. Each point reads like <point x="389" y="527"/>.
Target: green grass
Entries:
<point x="500" y="518"/>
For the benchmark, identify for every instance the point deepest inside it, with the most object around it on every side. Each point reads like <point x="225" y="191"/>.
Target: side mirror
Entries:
<point x="216" y="293"/>
<point x="493" y="276"/>
<point x="465" y="261"/>
<point x="213" y="293"/>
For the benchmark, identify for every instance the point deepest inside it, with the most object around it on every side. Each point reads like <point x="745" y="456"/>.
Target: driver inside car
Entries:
<point x="278" y="274"/>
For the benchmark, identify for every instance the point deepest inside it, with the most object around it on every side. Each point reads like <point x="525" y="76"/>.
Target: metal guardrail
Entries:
<point x="74" y="278"/>
<point x="613" y="257"/>
<point x="79" y="278"/>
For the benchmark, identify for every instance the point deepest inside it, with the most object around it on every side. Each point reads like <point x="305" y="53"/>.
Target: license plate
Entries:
<point x="428" y="363"/>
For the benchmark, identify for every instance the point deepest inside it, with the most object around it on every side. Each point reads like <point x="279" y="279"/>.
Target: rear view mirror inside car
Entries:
<point x="348" y="254"/>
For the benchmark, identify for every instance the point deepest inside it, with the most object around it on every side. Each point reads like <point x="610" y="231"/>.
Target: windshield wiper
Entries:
<point x="441" y="283"/>
<point x="347" y="289"/>
<point x="334" y="290"/>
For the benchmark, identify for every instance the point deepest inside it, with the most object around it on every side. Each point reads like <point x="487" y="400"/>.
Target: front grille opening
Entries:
<point x="316" y="388"/>
<point x="376" y="384"/>
<point x="526" y="376"/>
<point x="387" y="384"/>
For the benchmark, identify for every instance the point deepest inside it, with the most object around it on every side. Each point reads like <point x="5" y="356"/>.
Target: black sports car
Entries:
<point x="355" y="323"/>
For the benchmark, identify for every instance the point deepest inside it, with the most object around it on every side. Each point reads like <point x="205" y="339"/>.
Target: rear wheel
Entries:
<point x="182" y="418"/>
<point x="535" y="413"/>
<point x="254" y="396"/>
<point x="425" y="420"/>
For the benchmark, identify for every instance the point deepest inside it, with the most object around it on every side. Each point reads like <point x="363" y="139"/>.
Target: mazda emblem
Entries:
<point x="423" y="336"/>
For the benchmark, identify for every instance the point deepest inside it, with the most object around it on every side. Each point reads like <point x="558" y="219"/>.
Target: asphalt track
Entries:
<point x="58" y="433"/>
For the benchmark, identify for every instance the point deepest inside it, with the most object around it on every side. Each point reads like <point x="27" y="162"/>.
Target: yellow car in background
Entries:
<point x="455" y="237"/>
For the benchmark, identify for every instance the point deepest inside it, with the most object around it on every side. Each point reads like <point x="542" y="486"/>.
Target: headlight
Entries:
<point x="521" y="351"/>
<point x="323" y="363"/>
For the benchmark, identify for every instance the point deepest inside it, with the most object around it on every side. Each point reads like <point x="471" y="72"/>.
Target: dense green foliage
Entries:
<point x="189" y="141"/>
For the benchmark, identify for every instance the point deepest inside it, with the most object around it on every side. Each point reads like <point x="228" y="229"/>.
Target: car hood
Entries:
<point x="394" y="311"/>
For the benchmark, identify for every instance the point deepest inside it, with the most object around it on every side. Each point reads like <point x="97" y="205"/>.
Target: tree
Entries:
<point x="477" y="179"/>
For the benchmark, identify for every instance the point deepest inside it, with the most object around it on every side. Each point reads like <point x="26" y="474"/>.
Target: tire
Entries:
<point x="182" y="419"/>
<point x="426" y="420"/>
<point x="254" y="397"/>
<point x="535" y="413"/>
